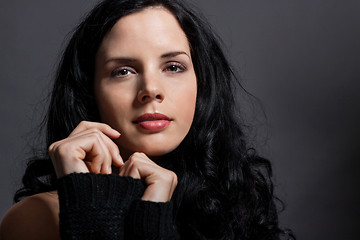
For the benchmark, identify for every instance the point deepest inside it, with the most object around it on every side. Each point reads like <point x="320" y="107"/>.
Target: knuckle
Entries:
<point x="62" y="149"/>
<point x="132" y="157"/>
<point x="173" y="175"/>
<point x="132" y="160"/>
<point x="54" y="146"/>
<point x="84" y="123"/>
<point x="141" y="154"/>
<point x="95" y="131"/>
<point x="96" y="134"/>
<point x="170" y="177"/>
<point x="51" y="147"/>
<point x="175" y="179"/>
<point x="134" y="163"/>
<point x="136" y="154"/>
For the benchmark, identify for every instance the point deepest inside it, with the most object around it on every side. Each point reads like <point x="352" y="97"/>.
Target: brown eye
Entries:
<point x="172" y="68"/>
<point x="175" y="68"/>
<point x="121" y="72"/>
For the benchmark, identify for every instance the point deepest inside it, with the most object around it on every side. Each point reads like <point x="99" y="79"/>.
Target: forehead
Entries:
<point x="154" y="28"/>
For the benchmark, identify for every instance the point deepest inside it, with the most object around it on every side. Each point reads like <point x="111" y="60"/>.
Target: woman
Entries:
<point x="142" y="138"/>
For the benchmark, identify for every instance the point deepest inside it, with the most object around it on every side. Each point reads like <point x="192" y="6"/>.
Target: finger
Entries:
<point x="106" y="129"/>
<point x="133" y="164"/>
<point x="129" y="170"/>
<point x="99" y="155"/>
<point x="110" y="145"/>
<point x="87" y="148"/>
<point x="113" y="150"/>
<point x="88" y="164"/>
<point x="139" y="166"/>
<point x="160" y="182"/>
<point x="68" y="156"/>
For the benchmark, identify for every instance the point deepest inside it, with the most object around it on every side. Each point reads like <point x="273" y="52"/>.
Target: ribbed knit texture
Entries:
<point x="149" y="220"/>
<point x="96" y="206"/>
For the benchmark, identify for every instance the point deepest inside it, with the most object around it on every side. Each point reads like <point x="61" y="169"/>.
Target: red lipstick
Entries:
<point x="153" y="121"/>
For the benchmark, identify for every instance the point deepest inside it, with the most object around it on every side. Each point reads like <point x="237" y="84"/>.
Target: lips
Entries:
<point x="153" y="121"/>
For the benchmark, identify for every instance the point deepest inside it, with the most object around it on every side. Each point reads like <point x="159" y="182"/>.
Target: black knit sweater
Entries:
<point x="97" y="206"/>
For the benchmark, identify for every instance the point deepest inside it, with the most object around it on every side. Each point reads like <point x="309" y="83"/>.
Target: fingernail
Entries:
<point x="109" y="170"/>
<point x="120" y="159"/>
<point x="116" y="132"/>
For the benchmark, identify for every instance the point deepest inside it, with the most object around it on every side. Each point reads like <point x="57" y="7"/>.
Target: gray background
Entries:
<point x="299" y="57"/>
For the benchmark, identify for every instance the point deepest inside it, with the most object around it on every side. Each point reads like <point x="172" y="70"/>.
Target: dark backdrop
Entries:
<point x="299" y="57"/>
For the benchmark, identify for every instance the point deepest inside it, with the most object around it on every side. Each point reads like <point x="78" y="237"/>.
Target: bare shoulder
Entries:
<point x="36" y="217"/>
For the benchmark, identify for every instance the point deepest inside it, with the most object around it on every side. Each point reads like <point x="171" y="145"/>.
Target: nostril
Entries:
<point x="144" y="98"/>
<point x="147" y="95"/>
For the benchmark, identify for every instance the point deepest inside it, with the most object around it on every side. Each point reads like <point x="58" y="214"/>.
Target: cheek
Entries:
<point x="186" y="104"/>
<point x="189" y="105"/>
<point x="112" y="104"/>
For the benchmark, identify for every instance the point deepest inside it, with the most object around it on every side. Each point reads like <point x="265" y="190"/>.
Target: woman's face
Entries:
<point x="145" y="83"/>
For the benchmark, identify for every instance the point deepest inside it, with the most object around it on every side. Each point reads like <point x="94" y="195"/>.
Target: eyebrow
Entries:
<point x="173" y="54"/>
<point x="120" y="59"/>
<point x="129" y="59"/>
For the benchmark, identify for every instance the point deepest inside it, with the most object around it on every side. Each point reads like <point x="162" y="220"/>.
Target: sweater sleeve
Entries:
<point x="99" y="206"/>
<point x="94" y="206"/>
<point x="150" y="221"/>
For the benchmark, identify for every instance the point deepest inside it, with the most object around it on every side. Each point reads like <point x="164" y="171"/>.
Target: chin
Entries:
<point x="155" y="152"/>
<point x="155" y="145"/>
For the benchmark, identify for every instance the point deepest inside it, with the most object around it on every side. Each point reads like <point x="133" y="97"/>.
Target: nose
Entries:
<point x="150" y="90"/>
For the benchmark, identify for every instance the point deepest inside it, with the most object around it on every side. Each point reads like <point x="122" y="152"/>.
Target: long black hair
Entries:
<point x="225" y="189"/>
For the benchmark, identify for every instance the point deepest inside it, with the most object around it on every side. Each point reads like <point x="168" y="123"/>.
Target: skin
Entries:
<point x="143" y="66"/>
<point x="147" y="69"/>
<point x="36" y="217"/>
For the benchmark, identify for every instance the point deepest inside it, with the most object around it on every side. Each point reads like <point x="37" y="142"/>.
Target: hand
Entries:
<point x="160" y="182"/>
<point x="88" y="148"/>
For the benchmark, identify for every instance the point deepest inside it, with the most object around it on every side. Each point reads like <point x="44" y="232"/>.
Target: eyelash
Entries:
<point x="175" y="64"/>
<point x="116" y="72"/>
<point x="179" y="69"/>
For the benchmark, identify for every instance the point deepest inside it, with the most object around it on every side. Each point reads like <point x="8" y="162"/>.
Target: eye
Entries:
<point x="120" y="72"/>
<point x="175" y="67"/>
